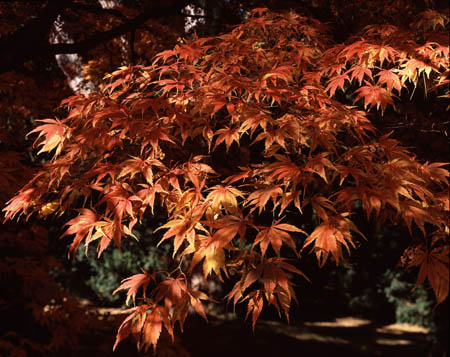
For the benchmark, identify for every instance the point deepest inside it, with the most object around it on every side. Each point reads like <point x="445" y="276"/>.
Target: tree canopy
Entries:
<point x="261" y="145"/>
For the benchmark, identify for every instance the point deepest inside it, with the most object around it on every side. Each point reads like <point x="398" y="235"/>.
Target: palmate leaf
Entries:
<point x="434" y="267"/>
<point x="224" y="197"/>
<point x="382" y="53"/>
<point x="20" y="203"/>
<point x="180" y="229"/>
<point x="137" y="165"/>
<point x="284" y="170"/>
<point x="318" y="164"/>
<point x="374" y="96"/>
<point x="392" y="81"/>
<point x="355" y="48"/>
<point x="209" y="250"/>
<point x="223" y="236"/>
<point x="214" y="261"/>
<point x="54" y="132"/>
<point x="255" y="121"/>
<point x="133" y="283"/>
<point x="337" y="82"/>
<point x="145" y="324"/>
<point x="276" y="234"/>
<point x="259" y="198"/>
<point x="125" y="327"/>
<point x="413" y="68"/>
<point x="431" y="19"/>
<point x="196" y="298"/>
<point x="282" y="72"/>
<point x="276" y="287"/>
<point x="171" y="290"/>
<point x="119" y="201"/>
<point x="82" y="226"/>
<point x="148" y="195"/>
<point x="330" y="236"/>
<point x="359" y="72"/>
<point x="436" y="172"/>
<point x="411" y="211"/>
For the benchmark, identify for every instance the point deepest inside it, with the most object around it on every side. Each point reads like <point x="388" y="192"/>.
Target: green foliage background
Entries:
<point x="95" y="279"/>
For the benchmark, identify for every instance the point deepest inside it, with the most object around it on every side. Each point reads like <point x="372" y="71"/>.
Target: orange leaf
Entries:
<point x="260" y="197"/>
<point x="82" y="226"/>
<point x="359" y="72"/>
<point x="228" y="135"/>
<point x="329" y="238"/>
<point x="388" y="77"/>
<point x="55" y="132"/>
<point x="336" y="82"/>
<point x="133" y="283"/>
<point x="255" y="305"/>
<point x="276" y="234"/>
<point x="374" y="95"/>
<point x="214" y="261"/>
<point x="125" y="327"/>
<point x="434" y="266"/>
<point x="224" y="197"/>
<point x="171" y="290"/>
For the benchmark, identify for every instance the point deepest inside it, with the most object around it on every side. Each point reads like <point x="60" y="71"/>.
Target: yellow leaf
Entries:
<point x="214" y="261"/>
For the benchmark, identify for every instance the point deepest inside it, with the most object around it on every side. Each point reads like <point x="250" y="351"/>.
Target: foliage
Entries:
<point x="96" y="279"/>
<point x="259" y="145"/>
<point x="415" y="307"/>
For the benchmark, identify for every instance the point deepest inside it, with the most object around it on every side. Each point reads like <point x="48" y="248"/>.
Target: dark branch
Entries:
<point x="99" y="10"/>
<point x="21" y="44"/>
<point x="31" y="41"/>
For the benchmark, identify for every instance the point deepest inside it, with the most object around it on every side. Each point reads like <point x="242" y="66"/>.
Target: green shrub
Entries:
<point x="411" y="306"/>
<point x="88" y="277"/>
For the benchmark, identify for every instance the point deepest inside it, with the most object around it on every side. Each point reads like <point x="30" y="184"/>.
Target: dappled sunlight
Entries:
<point x="403" y="327"/>
<point x="341" y="322"/>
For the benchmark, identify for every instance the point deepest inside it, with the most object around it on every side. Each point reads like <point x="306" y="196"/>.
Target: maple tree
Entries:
<point x="32" y="90"/>
<point x="260" y="145"/>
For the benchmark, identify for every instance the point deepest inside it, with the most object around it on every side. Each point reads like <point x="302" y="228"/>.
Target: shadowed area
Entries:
<point x="225" y="336"/>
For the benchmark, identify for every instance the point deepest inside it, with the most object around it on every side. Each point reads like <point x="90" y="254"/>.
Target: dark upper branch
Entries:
<point x="25" y="40"/>
<point x="104" y="36"/>
<point x="99" y="10"/>
<point x="31" y="41"/>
